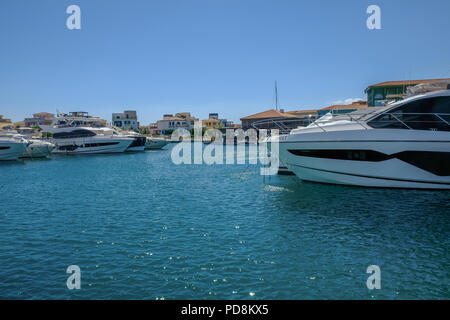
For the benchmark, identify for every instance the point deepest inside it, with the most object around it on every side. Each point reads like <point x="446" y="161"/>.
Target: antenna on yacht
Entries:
<point x="276" y="96"/>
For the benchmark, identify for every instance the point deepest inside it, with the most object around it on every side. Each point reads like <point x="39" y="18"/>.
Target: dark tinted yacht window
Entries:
<point x="424" y="114"/>
<point x="79" y="133"/>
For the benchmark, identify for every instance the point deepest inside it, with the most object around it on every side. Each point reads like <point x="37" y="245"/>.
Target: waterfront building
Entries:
<point x="339" y="109"/>
<point x="187" y="116"/>
<point x="212" y="122"/>
<point x="127" y="120"/>
<point x="3" y="120"/>
<point x="227" y="124"/>
<point x="19" y="124"/>
<point x="305" y="116"/>
<point x="213" y="116"/>
<point x="5" y="123"/>
<point x="390" y="91"/>
<point x="266" y="117"/>
<point x="169" y="123"/>
<point x="151" y="129"/>
<point x="232" y="125"/>
<point x="41" y="118"/>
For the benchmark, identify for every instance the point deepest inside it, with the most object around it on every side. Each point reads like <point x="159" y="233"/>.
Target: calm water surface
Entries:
<point x="141" y="227"/>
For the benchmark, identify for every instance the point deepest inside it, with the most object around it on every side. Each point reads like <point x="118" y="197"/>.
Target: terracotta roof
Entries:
<point x="268" y="115"/>
<point x="43" y="114"/>
<point x="354" y="105"/>
<point x="211" y="120"/>
<point x="405" y="82"/>
<point x="173" y="119"/>
<point x="301" y="112"/>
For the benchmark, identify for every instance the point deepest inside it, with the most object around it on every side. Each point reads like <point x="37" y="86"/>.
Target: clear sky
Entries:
<point x="165" y="56"/>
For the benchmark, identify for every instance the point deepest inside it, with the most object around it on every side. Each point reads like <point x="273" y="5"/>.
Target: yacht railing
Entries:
<point x="442" y="120"/>
<point x="284" y="126"/>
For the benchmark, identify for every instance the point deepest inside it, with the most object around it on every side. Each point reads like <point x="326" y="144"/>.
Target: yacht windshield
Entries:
<point x="79" y="133"/>
<point x="424" y="114"/>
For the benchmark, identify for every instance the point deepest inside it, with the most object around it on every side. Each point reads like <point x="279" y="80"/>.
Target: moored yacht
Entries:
<point x="138" y="143"/>
<point x="85" y="140"/>
<point x="403" y="145"/>
<point x="11" y="148"/>
<point x="82" y="134"/>
<point x="36" y="148"/>
<point x="153" y="143"/>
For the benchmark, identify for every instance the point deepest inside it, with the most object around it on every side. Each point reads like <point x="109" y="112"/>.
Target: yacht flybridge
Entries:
<point x="403" y="145"/>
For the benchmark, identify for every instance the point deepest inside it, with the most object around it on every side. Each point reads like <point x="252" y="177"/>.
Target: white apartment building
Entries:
<point x="126" y="120"/>
<point x="180" y="120"/>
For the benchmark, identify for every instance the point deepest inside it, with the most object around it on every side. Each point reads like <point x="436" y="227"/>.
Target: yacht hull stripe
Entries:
<point x="345" y="141"/>
<point x="372" y="177"/>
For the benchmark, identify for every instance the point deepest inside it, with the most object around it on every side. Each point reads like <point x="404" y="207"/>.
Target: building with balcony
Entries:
<point x="345" y="108"/>
<point x="212" y="122"/>
<point x="127" y="120"/>
<point x="383" y="93"/>
<point x="169" y="123"/>
<point x="41" y="118"/>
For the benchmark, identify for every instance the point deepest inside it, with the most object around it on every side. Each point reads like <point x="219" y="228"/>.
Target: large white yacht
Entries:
<point x="403" y="145"/>
<point x="70" y="139"/>
<point x="11" y="148"/>
<point x="79" y="133"/>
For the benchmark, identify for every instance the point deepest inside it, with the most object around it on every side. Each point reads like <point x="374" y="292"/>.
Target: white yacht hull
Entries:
<point x="92" y="145"/>
<point x="38" y="149"/>
<point x="370" y="158"/>
<point x="11" y="150"/>
<point x="155" y="143"/>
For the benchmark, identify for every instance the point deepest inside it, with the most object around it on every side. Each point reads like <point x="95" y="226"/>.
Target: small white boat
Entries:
<point x="152" y="143"/>
<point x="11" y="148"/>
<point x="38" y="149"/>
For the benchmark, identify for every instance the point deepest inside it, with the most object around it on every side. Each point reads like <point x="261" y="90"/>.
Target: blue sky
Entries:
<point x="206" y="56"/>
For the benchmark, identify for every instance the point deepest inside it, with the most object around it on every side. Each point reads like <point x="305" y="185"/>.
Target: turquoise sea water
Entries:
<point x="141" y="227"/>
